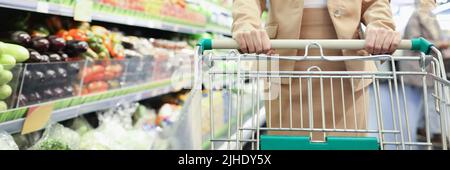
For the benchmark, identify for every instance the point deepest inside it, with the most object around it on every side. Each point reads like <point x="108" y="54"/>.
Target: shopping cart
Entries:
<point x="246" y="98"/>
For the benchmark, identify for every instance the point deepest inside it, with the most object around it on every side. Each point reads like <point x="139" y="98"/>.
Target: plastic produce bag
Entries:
<point x="58" y="137"/>
<point x="115" y="132"/>
<point x="7" y="142"/>
<point x="81" y="125"/>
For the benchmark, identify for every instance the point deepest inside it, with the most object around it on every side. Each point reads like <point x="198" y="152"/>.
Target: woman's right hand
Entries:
<point x="254" y="41"/>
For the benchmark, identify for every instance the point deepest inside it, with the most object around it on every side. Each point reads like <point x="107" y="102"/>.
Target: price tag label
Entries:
<point x="83" y="10"/>
<point x="42" y="7"/>
<point x="37" y="118"/>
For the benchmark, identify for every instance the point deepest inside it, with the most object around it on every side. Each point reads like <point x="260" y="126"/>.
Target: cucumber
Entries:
<point x="20" y="53"/>
<point x="8" y="61"/>
<point x="5" y="77"/>
<point x="3" y="106"/>
<point x="5" y="91"/>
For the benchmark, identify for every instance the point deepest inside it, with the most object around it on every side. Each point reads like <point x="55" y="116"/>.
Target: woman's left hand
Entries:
<point x="381" y="41"/>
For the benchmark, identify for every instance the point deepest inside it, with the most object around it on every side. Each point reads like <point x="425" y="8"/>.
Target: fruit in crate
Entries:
<point x="19" y="53"/>
<point x="61" y="73"/>
<point x="69" y="90"/>
<point x="3" y="106"/>
<point x="94" y="73"/>
<point x="5" y="91"/>
<point x="5" y="76"/>
<point x="23" y="100"/>
<point x="97" y="86"/>
<point x="113" y="71"/>
<point x="50" y="75"/>
<point x="35" y="96"/>
<point x="48" y="94"/>
<point x="7" y="61"/>
<point x="113" y="84"/>
<point x="59" y="92"/>
<point x="38" y="76"/>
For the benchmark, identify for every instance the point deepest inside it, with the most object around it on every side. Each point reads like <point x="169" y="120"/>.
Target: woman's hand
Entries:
<point x="381" y="41"/>
<point x="254" y="41"/>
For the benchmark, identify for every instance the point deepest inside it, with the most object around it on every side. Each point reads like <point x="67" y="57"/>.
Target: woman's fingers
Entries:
<point x="370" y="41"/>
<point x="265" y="40"/>
<point x="381" y="41"/>
<point x="395" y="42"/>
<point x="239" y="37"/>
<point x="255" y="41"/>
<point x="249" y="41"/>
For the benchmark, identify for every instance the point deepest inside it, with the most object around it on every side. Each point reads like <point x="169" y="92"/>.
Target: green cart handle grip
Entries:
<point x="418" y="44"/>
<point x="422" y="45"/>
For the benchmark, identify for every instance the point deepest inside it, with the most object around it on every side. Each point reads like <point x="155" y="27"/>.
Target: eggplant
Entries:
<point x="56" y="43"/>
<point x="34" y="56"/>
<point x="45" y="58"/>
<point x="39" y="76"/>
<point x="22" y="38"/>
<point x="62" y="73"/>
<point x="34" y="97"/>
<point x="54" y="57"/>
<point x="50" y="74"/>
<point x="48" y="94"/>
<point x="40" y="44"/>
<point x="58" y="92"/>
<point x="28" y="75"/>
<point x="68" y="90"/>
<point x="74" y="48"/>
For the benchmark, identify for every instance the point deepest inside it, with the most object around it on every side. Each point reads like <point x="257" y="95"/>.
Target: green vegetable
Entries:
<point x="20" y="53"/>
<point x="3" y="106"/>
<point x="8" y="61"/>
<point x="52" y="144"/>
<point x="5" y="91"/>
<point x="5" y="77"/>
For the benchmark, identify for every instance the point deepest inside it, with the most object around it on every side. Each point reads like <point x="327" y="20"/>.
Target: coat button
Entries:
<point x="337" y="13"/>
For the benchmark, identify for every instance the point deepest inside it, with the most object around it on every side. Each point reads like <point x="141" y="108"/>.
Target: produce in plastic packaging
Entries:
<point x="7" y="142"/>
<point x="58" y="137"/>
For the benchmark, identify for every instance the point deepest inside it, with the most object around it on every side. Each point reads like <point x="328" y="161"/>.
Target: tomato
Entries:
<point x="62" y="34"/>
<point x="78" y="35"/>
<point x="98" y="69"/>
<point x="98" y="86"/>
<point x="109" y="75"/>
<point x="85" y="91"/>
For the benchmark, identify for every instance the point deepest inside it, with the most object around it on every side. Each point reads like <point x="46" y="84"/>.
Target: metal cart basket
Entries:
<point x="312" y="116"/>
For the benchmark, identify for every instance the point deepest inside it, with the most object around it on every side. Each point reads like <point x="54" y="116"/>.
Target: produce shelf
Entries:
<point x="64" y="10"/>
<point x="159" y="88"/>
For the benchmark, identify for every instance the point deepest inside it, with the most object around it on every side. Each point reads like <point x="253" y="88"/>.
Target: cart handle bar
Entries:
<point x="418" y="44"/>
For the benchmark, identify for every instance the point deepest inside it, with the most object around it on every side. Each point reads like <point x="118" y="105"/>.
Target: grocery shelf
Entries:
<point x="37" y="6"/>
<point x="15" y="126"/>
<point x="62" y="10"/>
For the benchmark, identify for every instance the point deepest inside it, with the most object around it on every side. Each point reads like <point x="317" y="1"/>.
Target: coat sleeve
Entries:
<point x="247" y="15"/>
<point x="377" y="14"/>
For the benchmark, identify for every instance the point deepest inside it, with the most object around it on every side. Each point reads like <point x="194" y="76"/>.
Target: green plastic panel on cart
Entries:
<point x="272" y="142"/>
<point x="421" y="44"/>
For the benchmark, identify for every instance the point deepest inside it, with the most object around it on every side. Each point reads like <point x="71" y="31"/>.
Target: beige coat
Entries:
<point x="285" y="18"/>
<point x="285" y="22"/>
